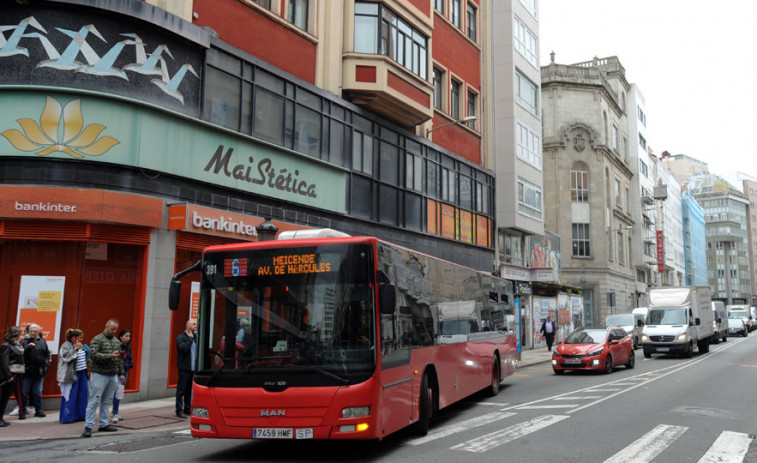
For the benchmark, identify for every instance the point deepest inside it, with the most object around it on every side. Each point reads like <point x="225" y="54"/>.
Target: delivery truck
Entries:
<point x="678" y="319"/>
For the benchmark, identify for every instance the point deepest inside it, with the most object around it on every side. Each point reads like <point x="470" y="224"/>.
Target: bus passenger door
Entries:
<point x="396" y="379"/>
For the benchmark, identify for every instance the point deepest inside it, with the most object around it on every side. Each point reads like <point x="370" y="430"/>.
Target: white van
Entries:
<point x="742" y="310"/>
<point x="632" y="323"/>
<point x="719" y="322"/>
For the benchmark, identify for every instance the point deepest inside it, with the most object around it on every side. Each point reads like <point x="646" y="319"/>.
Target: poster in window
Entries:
<point x="448" y="221"/>
<point x="40" y="301"/>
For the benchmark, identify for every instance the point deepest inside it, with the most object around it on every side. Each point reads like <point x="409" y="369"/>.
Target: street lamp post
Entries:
<point x="266" y="230"/>
<point x="464" y="120"/>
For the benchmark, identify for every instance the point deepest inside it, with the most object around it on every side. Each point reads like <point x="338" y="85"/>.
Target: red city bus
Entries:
<point x="340" y="338"/>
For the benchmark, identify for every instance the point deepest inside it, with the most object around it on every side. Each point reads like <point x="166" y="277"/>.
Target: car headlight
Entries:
<point x="682" y="337"/>
<point x="644" y="337"/>
<point x="596" y="352"/>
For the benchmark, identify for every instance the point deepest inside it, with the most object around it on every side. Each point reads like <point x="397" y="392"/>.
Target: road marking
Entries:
<point x="493" y="404"/>
<point x="509" y="434"/>
<point x="610" y="389"/>
<point x="459" y="427"/>
<point x="541" y="407"/>
<point x="728" y="447"/>
<point x="185" y="431"/>
<point x="578" y="397"/>
<point x="651" y="444"/>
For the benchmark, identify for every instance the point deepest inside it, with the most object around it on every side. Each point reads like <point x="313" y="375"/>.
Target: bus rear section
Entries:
<point x="338" y="338"/>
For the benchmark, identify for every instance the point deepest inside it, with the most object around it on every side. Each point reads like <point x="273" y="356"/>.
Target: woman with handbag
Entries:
<point x="73" y="358"/>
<point x="11" y="372"/>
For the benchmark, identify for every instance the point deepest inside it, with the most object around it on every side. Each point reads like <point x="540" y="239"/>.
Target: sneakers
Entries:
<point x="3" y="423"/>
<point x="180" y="415"/>
<point x="14" y="412"/>
<point x="87" y="432"/>
<point x="116" y="418"/>
<point x="108" y="428"/>
<point x="40" y="415"/>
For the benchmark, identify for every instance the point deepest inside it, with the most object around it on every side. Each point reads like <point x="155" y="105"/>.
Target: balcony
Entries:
<point x="380" y="85"/>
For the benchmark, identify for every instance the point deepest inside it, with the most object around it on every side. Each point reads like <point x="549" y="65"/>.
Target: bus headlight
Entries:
<point x="200" y="412"/>
<point x="354" y="412"/>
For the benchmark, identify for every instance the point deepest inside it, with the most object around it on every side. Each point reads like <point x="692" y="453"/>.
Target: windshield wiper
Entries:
<point x="320" y="370"/>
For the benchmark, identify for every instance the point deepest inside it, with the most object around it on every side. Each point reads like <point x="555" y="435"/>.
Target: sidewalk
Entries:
<point x="534" y="356"/>
<point x="149" y="416"/>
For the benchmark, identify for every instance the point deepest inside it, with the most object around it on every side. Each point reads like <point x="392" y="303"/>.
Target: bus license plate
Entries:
<point x="272" y="433"/>
<point x="282" y="433"/>
<point x="663" y="349"/>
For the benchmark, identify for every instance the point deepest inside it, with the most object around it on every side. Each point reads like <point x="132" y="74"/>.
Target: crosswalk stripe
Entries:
<point x="728" y="447"/>
<point x="609" y="389"/>
<point x="459" y="427"/>
<point x="649" y="445"/>
<point x="509" y="434"/>
<point x="184" y="431"/>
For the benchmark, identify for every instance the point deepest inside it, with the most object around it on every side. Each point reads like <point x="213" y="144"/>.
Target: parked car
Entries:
<point x="736" y="325"/>
<point x="719" y="322"/>
<point x="633" y="323"/>
<point x="594" y="349"/>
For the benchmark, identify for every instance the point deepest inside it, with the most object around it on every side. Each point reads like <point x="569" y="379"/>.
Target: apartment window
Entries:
<point x="264" y="3"/>
<point x="579" y="182"/>
<point x="438" y="89"/>
<point x="529" y="145"/>
<point x="628" y="199"/>
<point x="470" y="22"/>
<point x="439" y="5"/>
<point x="643" y="168"/>
<point x="471" y="108"/>
<point x="642" y="142"/>
<point x="530" y="6"/>
<point x="379" y="30"/>
<point x="454" y="100"/>
<point x="621" y="251"/>
<point x="448" y="185"/>
<point x="615" y="137"/>
<point x="455" y="13"/>
<point x="413" y="172"/>
<point x="362" y="152"/>
<point x="525" y="92"/>
<point x="642" y="116"/>
<point x="525" y="41"/>
<point x="617" y="193"/>
<point x="298" y="13"/>
<point x="581" y="245"/>
<point x="529" y="199"/>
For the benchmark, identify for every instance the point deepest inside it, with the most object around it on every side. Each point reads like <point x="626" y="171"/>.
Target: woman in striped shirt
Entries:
<point x="73" y="363"/>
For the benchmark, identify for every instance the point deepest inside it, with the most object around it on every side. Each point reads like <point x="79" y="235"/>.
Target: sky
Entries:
<point x="695" y="62"/>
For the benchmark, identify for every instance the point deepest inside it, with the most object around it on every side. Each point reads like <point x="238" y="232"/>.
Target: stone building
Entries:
<point x="587" y="180"/>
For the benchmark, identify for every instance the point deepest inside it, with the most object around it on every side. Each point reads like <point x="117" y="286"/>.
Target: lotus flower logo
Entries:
<point x="60" y="129"/>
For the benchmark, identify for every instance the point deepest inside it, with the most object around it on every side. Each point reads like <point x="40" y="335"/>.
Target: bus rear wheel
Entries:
<point x="494" y="388"/>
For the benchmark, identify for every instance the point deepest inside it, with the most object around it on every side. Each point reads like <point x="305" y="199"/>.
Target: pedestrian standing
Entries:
<point x="186" y="348"/>
<point x="36" y="363"/>
<point x="11" y="372"/>
<point x="107" y="369"/>
<point x="548" y="330"/>
<point x="73" y="361"/>
<point x="125" y="337"/>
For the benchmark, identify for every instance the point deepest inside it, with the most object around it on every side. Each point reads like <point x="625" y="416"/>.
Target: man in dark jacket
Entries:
<point x="186" y="350"/>
<point x="107" y="369"/>
<point x="37" y="362"/>
<point x="548" y="329"/>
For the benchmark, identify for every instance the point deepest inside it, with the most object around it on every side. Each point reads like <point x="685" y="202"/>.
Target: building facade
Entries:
<point x="670" y="222"/>
<point x="749" y="188"/>
<point x="587" y="178"/>
<point x="134" y="135"/>
<point x="725" y="215"/>
<point x="694" y="241"/>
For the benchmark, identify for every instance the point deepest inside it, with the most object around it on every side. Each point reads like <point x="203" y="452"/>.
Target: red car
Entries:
<point x="594" y="349"/>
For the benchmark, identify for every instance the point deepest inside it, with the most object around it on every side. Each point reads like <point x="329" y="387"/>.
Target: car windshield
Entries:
<point x="619" y="320"/>
<point x="588" y="336"/>
<point x="737" y="315"/>
<point x="665" y="316"/>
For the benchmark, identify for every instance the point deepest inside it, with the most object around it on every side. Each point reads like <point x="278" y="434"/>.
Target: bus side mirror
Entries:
<point x="387" y="298"/>
<point x="174" y="293"/>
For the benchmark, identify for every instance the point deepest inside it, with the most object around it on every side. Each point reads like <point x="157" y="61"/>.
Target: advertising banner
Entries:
<point x="40" y="301"/>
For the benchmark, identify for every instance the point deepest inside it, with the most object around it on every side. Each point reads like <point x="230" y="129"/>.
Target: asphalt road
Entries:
<point x="665" y="410"/>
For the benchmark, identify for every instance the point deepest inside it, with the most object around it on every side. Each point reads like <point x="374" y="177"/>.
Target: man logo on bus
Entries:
<point x="273" y="412"/>
<point x="235" y="267"/>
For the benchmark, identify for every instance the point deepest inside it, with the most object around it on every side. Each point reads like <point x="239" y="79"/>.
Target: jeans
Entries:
<point x="184" y="392"/>
<point x="117" y="402"/>
<point x="102" y="388"/>
<point x="32" y="386"/>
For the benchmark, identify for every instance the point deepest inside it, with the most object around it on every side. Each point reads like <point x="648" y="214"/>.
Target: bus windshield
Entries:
<point x="288" y="316"/>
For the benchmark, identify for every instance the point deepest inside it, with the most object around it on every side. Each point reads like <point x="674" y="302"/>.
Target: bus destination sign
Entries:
<point x="294" y="264"/>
